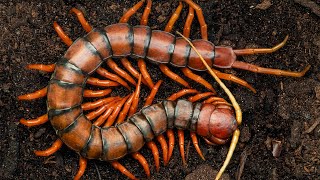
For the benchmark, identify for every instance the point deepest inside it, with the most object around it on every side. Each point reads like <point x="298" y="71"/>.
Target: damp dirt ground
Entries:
<point x="284" y="110"/>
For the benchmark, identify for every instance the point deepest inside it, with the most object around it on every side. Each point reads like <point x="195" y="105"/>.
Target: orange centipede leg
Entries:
<point x="101" y="83"/>
<point x="131" y="11"/>
<point x="164" y="146"/>
<point x="126" y="64"/>
<point x="187" y="72"/>
<point x="103" y="72"/>
<point x="196" y="144"/>
<point x="165" y="70"/>
<point x="173" y="18"/>
<point x="202" y="22"/>
<point x="187" y="25"/>
<point x="153" y="92"/>
<point x="115" y="112"/>
<point x="144" y="72"/>
<point x="35" y="122"/>
<point x="146" y="12"/>
<point x="82" y="168"/>
<point x="142" y="160"/>
<point x="101" y="119"/>
<point x="170" y="135"/>
<point x="234" y="78"/>
<point x="120" y="71"/>
<point x="35" y="95"/>
<point x="54" y="148"/>
<point x="181" y="146"/>
<point x="135" y="100"/>
<point x="98" y="103"/>
<point x="197" y="97"/>
<point x="62" y="34"/>
<point x="181" y="93"/>
<point x="100" y="110"/>
<point x="96" y="93"/>
<point x="42" y="67"/>
<point x="122" y="169"/>
<point x="125" y="110"/>
<point x="155" y="152"/>
<point x="84" y="23"/>
<point x="212" y="99"/>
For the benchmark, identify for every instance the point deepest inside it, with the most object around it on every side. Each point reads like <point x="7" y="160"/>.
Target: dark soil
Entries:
<point x="283" y="109"/>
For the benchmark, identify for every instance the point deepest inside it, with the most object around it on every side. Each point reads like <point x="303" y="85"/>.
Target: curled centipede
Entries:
<point x="110" y="137"/>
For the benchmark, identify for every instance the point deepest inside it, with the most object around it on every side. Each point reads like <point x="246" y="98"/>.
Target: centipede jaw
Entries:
<point x="236" y="133"/>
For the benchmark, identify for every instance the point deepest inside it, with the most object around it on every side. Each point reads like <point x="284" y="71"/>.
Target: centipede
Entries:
<point x="110" y="128"/>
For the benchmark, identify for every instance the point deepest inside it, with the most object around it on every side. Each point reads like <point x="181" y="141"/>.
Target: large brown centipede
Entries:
<point x="66" y="88"/>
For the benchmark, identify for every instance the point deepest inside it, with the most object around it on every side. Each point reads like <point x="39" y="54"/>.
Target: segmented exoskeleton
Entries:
<point x="65" y="92"/>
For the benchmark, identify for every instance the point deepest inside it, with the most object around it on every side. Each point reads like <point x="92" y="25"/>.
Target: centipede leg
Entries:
<point x="120" y="71"/>
<point x="42" y="67"/>
<point x="64" y="37"/>
<point x="54" y="148"/>
<point x="181" y="146"/>
<point x="164" y="146"/>
<point x="35" y="95"/>
<point x="101" y="83"/>
<point x="142" y="160"/>
<point x="84" y="23"/>
<point x="197" y="97"/>
<point x="181" y="93"/>
<point x="125" y="110"/>
<point x="155" y="152"/>
<point x="165" y="70"/>
<point x="153" y="92"/>
<point x="131" y="11"/>
<point x="122" y="169"/>
<point x="126" y="64"/>
<point x="92" y="115"/>
<point x="143" y="69"/>
<point x="234" y="78"/>
<point x="103" y="72"/>
<point x="187" y="72"/>
<point x="202" y="22"/>
<point x="82" y="168"/>
<point x="101" y="119"/>
<point x="196" y="144"/>
<point x="170" y="135"/>
<point x="96" y="93"/>
<point x="187" y="25"/>
<point x="35" y="122"/>
<point x="115" y="112"/>
<point x="262" y="70"/>
<point x="92" y="105"/>
<point x="135" y="100"/>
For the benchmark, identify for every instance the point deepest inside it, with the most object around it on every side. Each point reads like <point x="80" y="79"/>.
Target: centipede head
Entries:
<point x="216" y="123"/>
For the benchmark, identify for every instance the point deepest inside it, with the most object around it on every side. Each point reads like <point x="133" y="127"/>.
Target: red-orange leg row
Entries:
<point x="126" y="64"/>
<point x="54" y="148"/>
<point x="115" y="112"/>
<point x="125" y="110"/>
<point x="104" y="73"/>
<point x="120" y="71"/>
<point x="101" y="119"/>
<point x="35" y="122"/>
<point x="92" y="115"/>
<point x="35" y="95"/>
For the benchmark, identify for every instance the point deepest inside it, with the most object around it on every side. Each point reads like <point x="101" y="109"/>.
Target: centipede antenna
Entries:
<point x="236" y="134"/>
